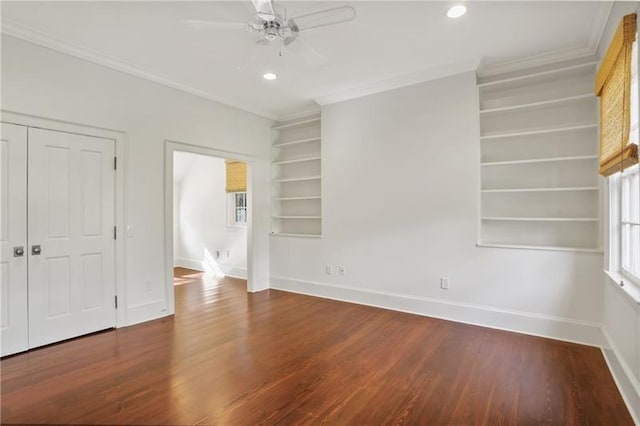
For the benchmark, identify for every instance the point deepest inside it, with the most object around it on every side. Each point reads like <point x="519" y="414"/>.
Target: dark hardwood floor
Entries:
<point x="231" y="358"/>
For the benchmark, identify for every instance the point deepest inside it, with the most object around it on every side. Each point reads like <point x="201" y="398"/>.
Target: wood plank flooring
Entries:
<point x="232" y="358"/>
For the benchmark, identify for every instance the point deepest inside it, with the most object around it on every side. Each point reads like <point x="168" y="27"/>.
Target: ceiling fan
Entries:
<point x="272" y="26"/>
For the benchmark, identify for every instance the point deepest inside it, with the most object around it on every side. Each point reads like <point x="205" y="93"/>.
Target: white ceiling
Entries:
<point x="387" y="39"/>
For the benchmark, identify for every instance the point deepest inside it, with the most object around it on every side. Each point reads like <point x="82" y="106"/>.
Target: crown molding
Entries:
<point x="598" y="25"/>
<point x="399" y="81"/>
<point x="23" y="32"/>
<point x="577" y="52"/>
<point x="298" y="115"/>
<point x="587" y="50"/>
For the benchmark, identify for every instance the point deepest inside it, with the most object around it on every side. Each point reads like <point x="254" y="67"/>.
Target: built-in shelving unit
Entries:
<point x="296" y="156"/>
<point x="539" y="167"/>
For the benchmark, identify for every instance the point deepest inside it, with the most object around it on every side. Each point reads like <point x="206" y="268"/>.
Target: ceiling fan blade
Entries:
<point x="265" y="9"/>
<point x="310" y="55"/>
<point x="322" y="18"/>
<point x="199" y="24"/>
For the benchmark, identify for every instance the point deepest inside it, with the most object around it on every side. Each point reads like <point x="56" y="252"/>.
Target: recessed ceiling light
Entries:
<point x="269" y="76"/>
<point x="456" y="11"/>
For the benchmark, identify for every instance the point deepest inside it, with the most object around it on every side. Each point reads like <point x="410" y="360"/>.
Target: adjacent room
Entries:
<point x="319" y="212"/>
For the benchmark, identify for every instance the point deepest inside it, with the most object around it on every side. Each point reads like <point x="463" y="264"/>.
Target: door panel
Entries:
<point x="13" y="233"/>
<point x="71" y="217"/>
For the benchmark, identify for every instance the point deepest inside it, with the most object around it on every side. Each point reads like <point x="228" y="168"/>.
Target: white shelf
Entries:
<point x="551" y="248"/>
<point x="543" y="219"/>
<point x="300" y="179"/>
<point x="280" y="234"/>
<point x="296" y="217"/>
<point x="524" y="78"/>
<point x="574" y="188"/>
<point x="296" y="207"/>
<point x="539" y="160"/>
<point x="540" y="104"/>
<point x="539" y="131"/>
<point x="296" y="142"/>
<point x="299" y="160"/>
<point x="296" y="124"/>
<point x="313" y="197"/>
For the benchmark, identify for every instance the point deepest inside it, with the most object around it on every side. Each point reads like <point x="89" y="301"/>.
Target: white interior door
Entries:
<point x="71" y="241"/>
<point x="13" y="235"/>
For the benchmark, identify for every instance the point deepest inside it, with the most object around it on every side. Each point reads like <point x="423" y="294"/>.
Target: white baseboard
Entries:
<point x="628" y="385"/>
<point x="196" y="265"/>
<point x="235" y="272"/>
<point x="146" y="312"/>
<point x="569" y="330"/>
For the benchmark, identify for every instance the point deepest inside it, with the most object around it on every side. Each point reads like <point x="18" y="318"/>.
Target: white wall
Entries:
<point x="46" y="83"/>
<point x="201" y="221"/>
<point x="400" y="210"/>
<point x="621" y="314"/>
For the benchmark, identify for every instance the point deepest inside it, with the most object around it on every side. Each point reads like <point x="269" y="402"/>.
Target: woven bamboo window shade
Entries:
<point x="236" y="176"/>
<point x="613" y="86"/>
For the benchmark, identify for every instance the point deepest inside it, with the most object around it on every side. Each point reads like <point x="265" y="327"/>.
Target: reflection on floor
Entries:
<point x="184" y="275"/>
<point x="229" y="357"/>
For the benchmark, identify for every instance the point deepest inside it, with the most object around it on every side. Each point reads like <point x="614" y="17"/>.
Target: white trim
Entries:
<point x="540" y="219"/>
<point x="569" y="188"/>
<point x="534" y="105"/>
<point x="546" y="248"/>
<point x="257" y="263"/>
<point x="121" y="147"/>
<point x="598" y="25"/>
<point x="538" y="132"/>
<point x="627" y="384"/>
<point x="397" y="82"/>
<point x="535" y="75"/>
<point x="300" y="115"/>
<point x="196" y="265"/>
<point x="505" y="67"/>
<point x="183" y="262"/>
<point x="630" y="290"/>
<point x="281" y="234"/>
<point x="588" y="50"/>
<point x="539" y="160"/>
<point x="565" y="329"/>
<point x="23" y="32"/>
<point x="297" y="123"/>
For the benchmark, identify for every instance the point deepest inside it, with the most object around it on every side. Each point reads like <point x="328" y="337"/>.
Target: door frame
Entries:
<point x="121" y="142"/>
<point x="255" y="263"/>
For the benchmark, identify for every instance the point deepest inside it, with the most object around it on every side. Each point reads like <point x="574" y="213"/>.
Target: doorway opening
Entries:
<point x="210" y="222"/>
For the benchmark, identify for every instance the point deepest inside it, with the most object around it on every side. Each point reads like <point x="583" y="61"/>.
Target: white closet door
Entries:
<point x="13" y="234"/>
<point x="71" y="245"/>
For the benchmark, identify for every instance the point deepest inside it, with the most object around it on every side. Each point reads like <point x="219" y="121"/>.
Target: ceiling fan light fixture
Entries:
<point x="269" y="76"/>
<point x="456" y="11"/>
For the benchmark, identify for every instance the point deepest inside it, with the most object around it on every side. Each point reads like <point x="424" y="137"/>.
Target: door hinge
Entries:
<point x="116" y="301"/>
<point x="115" y="232"/>
<point x="115" y="163"/>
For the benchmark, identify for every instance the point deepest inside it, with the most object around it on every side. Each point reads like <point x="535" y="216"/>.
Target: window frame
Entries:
<point x="618" y="218"/>
<point x="629" y="199"/>
<point x="233" y="207"/>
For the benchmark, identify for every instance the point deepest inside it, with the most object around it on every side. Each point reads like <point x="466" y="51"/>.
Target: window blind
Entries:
<point x="236" y="176"/>
<point x="613" y="85"/>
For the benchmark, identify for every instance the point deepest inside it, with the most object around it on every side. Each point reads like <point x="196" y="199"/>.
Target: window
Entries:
<point x="630" y="224"/>
<point x="237" y="208"/>
<point x="624" y="193"/>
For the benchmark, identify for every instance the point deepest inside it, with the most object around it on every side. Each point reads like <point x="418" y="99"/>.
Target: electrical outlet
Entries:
<point x="328" y="269"/>
<point x="147" y="286"/>
<point x="342" y="270"/>
<point x="444" y="283"/>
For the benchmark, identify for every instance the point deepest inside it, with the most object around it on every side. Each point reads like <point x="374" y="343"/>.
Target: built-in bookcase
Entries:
<point x="296" y="204"/>
<point x="539" y="165"/>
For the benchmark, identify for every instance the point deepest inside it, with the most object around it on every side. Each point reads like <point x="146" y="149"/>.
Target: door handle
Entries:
<point x="18" y="251"/>
<point x="36" y="250"/>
